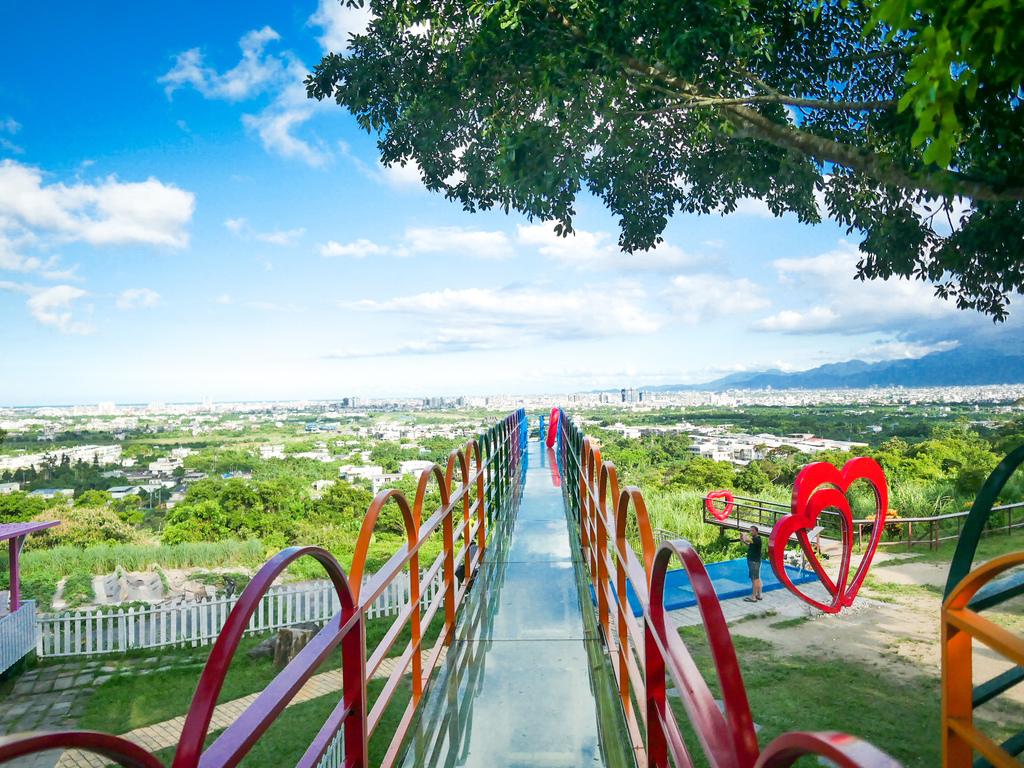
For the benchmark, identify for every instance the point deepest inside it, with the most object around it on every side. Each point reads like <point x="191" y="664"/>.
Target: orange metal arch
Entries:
<point x="412" y="527"/>
<point x="633" y="494"/>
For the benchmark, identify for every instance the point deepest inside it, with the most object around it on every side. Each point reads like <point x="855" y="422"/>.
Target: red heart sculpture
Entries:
<point x="710" y="506"/>
<point x="821" y="486"/>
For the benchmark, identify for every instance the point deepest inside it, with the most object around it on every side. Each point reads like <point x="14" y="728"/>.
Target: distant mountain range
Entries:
<point x="958" y="367"/>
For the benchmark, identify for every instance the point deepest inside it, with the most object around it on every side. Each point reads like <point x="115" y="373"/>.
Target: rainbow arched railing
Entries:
<point x="969" y="593"/>
<point x="477" y="481"/>
<point x="647" y="652"/>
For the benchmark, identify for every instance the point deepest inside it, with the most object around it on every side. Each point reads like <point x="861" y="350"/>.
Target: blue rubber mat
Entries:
<point x="730" y="578"/>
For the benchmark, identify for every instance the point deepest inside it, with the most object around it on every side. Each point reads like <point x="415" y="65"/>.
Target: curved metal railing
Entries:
<point x="647" y="652"/>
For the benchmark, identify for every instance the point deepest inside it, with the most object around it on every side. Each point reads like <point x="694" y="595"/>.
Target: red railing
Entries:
<point x="486" y="469"/>
<point x="648" y="651"/>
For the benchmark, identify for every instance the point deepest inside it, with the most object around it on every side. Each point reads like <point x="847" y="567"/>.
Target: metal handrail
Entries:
<point x="773" y="510"/>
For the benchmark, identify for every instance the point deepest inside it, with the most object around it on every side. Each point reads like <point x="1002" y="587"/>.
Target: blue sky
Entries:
<point x="177" y="220"/>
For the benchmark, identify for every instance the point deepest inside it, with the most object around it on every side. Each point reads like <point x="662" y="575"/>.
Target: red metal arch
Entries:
<point x="728" y="740"/>
<point x="114" y="748"/>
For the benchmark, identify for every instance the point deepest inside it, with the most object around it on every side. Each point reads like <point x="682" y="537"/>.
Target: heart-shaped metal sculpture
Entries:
<point x="726" y="496"/>
<point x="818" y="487"/>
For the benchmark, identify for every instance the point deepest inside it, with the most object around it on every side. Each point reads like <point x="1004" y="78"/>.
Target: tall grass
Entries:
<point x="104" y="558"/>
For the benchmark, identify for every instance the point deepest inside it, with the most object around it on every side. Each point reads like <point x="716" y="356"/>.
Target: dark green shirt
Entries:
<point x="754" y="549"/>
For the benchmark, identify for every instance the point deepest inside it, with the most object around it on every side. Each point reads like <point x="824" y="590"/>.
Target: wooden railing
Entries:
<point x="474" y="486"/>
<point x="648" y="651"/>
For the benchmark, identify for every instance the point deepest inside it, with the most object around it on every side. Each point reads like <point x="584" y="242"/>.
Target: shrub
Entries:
<point x="82" y="528"/>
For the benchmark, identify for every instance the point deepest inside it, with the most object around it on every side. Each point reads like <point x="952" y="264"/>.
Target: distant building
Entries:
<point x="50" y="493"/>
<point x="6" y="488"/>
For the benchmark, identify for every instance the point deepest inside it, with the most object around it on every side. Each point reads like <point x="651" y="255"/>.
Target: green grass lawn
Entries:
<point x="125" y="703"/>
<point x="291" y="734"/>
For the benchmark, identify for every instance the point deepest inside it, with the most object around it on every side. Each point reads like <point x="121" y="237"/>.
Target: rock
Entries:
<point x="290" y="641"/>
<point x="266" y="648"/>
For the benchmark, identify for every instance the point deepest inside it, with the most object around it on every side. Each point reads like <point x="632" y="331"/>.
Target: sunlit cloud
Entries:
<point x="699" y="298"/>
<point x="844" y="305"/>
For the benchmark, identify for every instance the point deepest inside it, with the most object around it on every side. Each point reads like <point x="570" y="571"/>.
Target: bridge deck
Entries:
<point x="516" y="687"/>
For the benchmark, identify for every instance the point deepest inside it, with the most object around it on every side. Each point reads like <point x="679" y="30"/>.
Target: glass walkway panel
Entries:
<point x="516" y="688"/>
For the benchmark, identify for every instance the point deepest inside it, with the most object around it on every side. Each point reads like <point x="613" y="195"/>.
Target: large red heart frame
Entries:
<point x="818" y="487"/>
<point x="726" y="496"/>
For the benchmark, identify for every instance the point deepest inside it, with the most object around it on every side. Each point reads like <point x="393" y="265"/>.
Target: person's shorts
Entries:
<point x="755" y="569"/>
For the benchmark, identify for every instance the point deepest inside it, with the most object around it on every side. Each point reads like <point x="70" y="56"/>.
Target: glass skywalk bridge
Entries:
<point x="516" y="689"/>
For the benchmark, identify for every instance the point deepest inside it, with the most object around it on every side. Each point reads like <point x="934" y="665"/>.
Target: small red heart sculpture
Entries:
<point x="818" y="487"/>
<point x="709" y="504"/>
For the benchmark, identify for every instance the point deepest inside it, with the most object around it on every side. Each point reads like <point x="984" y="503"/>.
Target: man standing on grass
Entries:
<point x="753" y="543"/>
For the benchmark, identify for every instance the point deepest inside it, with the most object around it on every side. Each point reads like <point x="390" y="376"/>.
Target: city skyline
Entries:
<point x="183" y="222"/>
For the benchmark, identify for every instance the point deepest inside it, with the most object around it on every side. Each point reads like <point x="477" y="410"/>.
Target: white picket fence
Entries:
<point x="17" y="634"/>
<point x="198" y="623"/>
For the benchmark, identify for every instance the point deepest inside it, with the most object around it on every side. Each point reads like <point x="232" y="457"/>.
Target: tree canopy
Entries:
<point x="903" y="116"/>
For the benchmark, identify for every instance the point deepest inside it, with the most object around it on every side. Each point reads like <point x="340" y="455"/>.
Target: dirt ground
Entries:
<point x="902" y="634"/>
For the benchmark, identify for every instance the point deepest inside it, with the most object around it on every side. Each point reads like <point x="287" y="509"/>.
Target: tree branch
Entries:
<point x="754" y="125"/>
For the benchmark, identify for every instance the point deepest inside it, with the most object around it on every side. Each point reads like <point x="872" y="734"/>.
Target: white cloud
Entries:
<point x="240" y="228"/>
<point x="902" y="350"/>
<point x="357" y="250"/>
<point x="338" y="22"/>
<point x="281" y="238"/>
<point x="224" y="299"/>
<point x="105" y="213"/>
<point x="44" y="303"/>
<point x="517" y="315"/>
<point x="598" y="251"/>
<point x="848" y="306"/>
<point x="274" y="129"/>
<point x="699" y="298"/>
<point x="749" y="206"/>
<point x="237" y="226"/>
<point x="455" y="240"/>
<point x="254" y="74"/>
<point x="10" y="125"/>
<point x="257" y="73"/>
<point x="11" y="147"/>
<point x="408" y="176"/>
<point x="450" y="241"/>
<point x="134" y="298"/>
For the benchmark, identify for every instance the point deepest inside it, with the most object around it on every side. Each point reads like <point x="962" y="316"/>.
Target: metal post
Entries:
<point x="14" y="554"/>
